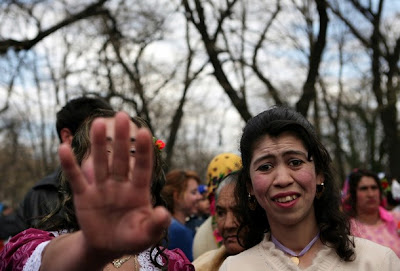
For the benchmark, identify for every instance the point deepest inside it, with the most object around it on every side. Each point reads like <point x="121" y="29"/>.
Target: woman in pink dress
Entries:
<point x="369" y="219"/>
<point x="107" y="218"/>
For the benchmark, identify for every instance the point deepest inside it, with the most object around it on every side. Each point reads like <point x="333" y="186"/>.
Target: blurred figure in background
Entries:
<point x="204" y="203"/>
<point x="43" y="197"/>
<point x="182" y="195"/>
<point x="203" y="210"/>
<point x="207" y="236"/>
<point x="227" y="225"/>
<point x="369" y="219"/>
<point x="5" y="208"/>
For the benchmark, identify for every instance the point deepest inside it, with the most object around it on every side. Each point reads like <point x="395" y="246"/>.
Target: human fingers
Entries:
<point x="121" y="147"/>
<point x="71" y="169"/>
<point x="143" y="168"/>
<point x="98" y="150"/>
<point x="154" y="225"/>
<point x="160" y="221"/>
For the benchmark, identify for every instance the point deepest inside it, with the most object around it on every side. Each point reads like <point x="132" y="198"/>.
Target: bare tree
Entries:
<point x="317" y="46"/>
<point x="195" y="13"/>
<point x="188" y="66"/>
<point x="214" y="36"/>
<point x="384" y="53"/>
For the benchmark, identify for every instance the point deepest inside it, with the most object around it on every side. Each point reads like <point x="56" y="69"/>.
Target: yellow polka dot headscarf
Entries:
<point x="220" y="166"/>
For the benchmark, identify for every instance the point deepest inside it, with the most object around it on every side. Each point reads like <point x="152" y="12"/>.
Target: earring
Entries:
<point x="320" y="190"/>
<point x="251" y="202"/>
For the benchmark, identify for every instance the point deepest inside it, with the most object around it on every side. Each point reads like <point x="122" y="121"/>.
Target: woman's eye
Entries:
<point x="132" y="151"/>
<point x="264" y="167"/>
<point x="295" y="162"/>
<point x="220" y="213"/>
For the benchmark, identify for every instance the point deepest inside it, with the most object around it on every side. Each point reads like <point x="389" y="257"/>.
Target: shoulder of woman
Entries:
<point x="211" y="258"/>
<point x="237" y="262"/>
<point x="369" y="249"/>
<point x="396" y="215"/>
<point x="369" y="254"/>
<point x="29" y="237"/>
<point x="178" y="260"/>
<point x="249" y="259"/>
<point x="20" y="247"/>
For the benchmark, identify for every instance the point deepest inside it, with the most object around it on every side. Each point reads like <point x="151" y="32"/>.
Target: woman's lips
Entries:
<point x="230" y="238"/>
<point x="286" y="200"/>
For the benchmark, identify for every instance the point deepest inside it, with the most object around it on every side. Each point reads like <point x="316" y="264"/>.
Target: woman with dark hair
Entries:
<point x="182" y="196"/>
<point x="369" y="219"/>
<point x="289" y="203"/>
<point x="110" y="213"/>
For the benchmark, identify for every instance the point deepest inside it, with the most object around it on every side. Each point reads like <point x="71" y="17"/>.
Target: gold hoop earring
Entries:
<point x="320" y="190"/>
<point x="251" y="202"/>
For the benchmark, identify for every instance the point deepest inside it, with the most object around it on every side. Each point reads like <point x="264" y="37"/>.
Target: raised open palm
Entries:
<point x="112" y="191"/>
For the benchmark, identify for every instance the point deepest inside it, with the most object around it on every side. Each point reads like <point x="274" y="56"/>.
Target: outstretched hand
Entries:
<point x="112" y="191"/>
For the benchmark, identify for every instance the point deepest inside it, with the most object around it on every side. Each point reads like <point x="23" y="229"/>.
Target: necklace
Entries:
<point x="135" y="262"/>
<point x="295" y="257"/>
<point x="119" y="262"/>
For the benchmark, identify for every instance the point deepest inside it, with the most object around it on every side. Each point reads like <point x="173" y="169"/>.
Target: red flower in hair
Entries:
<point x="160" y="144"/>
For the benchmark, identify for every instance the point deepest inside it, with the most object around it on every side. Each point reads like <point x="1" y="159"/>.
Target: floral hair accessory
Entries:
<point x="385" y="185"/>
<point x="392" y="187"/>
<point x="159" y="143"/>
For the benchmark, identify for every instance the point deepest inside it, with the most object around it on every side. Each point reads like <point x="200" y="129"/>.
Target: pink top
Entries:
<point x="20" y="248"/>
<point x="386" y="233"/>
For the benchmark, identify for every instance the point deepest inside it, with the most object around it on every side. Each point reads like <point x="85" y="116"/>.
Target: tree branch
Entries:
<point x="92" y="10"/>
<point x="316" y="52"/>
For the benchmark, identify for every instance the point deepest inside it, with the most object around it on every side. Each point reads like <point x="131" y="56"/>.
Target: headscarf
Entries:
<point x="220" y="166"/>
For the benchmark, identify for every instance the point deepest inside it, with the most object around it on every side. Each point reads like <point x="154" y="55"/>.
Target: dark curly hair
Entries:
<point x="333" y="224"/>
<point x="63" y="216"/>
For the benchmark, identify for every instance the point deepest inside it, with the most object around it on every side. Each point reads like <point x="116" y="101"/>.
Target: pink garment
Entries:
<point x="178" y="260"/>
<point x="20" y="247"/>
<point x="385" y="233"/>
<point x="17" y="251"/>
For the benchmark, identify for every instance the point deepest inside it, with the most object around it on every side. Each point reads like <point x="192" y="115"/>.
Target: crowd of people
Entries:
<point x="277" y="206"/>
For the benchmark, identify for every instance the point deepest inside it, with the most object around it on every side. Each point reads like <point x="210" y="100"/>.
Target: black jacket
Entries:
<point x="37" y="203"/>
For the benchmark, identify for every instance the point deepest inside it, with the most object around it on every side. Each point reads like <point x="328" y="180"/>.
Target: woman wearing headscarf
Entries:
<point x="207" y="236"/>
